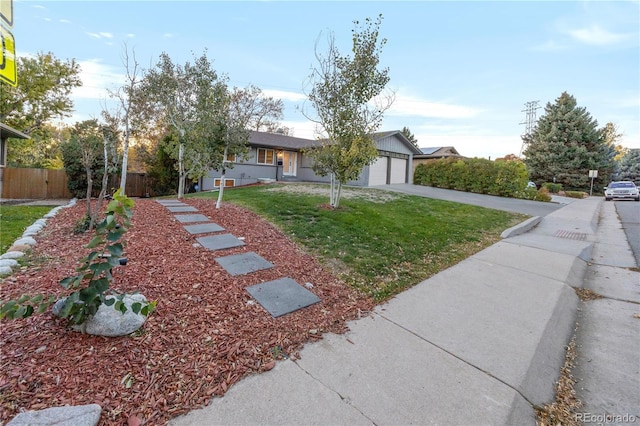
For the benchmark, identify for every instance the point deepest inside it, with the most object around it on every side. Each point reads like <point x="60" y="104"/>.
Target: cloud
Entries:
<point x="597" y="36"/>
<point x="284" y="95"/>
<point x="100" y="35"/>
<point x="64" y="21"/>
<point x="410" y="106"/>
<point x="96" y="79"/>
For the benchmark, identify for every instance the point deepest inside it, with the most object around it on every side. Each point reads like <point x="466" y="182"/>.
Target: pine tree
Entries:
<point x="565" y="144"/>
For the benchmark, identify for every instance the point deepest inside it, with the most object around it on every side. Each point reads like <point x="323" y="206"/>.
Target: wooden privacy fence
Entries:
<point x="40" y="184"/>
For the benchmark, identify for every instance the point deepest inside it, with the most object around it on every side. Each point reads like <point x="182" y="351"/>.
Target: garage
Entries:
<point x="378" y="172"/>
<point x="398" y="170"/>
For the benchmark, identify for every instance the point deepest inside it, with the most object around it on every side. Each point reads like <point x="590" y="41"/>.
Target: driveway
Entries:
<point x="528" y="207"/>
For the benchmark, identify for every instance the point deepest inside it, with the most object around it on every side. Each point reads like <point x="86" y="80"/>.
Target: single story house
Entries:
<point x="277" y="157"/>
<point x="434" y="153"/>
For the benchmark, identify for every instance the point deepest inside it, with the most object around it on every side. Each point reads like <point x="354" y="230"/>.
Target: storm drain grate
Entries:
<point x="572" y="235"/>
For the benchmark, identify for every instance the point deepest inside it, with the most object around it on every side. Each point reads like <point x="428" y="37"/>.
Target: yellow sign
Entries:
<point x="8" y="71"/>
<point x="6" y="12"/>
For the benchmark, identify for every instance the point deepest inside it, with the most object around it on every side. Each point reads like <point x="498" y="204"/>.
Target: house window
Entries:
<point x="266" y="156"/>
<point x="231" y="158"/>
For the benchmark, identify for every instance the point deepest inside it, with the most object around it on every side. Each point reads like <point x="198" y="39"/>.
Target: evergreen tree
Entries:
<point x="565" y="144"/>
<point x="412" y="138"/>
<point x="629" y="166"/>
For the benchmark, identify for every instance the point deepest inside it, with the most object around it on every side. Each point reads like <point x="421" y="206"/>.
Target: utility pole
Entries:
<point x="529" y="121"/>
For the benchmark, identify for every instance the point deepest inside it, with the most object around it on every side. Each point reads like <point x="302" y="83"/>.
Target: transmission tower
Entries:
<point x="529" y="121"/>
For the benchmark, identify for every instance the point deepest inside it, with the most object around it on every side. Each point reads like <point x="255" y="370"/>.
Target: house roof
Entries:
<point x="9" y="132"/>
<point x="438" y="151"/>
<point x="278" y="140"/>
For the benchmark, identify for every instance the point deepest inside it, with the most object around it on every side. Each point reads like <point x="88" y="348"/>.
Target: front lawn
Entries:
<point x="377" y="241"/>
<point x="15" y="219"/>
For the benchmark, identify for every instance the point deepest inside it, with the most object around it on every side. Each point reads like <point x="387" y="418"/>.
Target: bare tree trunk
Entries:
<point x="125" y="155"/>
<point x="103" y="190"/>
<point x="89" y="189"/>
<point x="181" y="170"/>
<point x="219" y="202"/>
<point x="224" y="171"/>
<point x="336" y="200"/>
<point x="332" y="189"/>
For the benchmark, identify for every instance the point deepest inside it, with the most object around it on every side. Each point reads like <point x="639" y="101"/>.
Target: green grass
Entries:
<point x="379" y="245"/>
<point x="15" y="219"/>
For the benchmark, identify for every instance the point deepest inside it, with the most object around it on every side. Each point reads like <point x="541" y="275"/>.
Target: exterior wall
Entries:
<point x="393" y="144"/>
<point x="248" y="171"/>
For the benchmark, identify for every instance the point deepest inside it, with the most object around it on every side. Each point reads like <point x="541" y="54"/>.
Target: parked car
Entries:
<point x="532" y="184"/>
<point x="621" y="189"/>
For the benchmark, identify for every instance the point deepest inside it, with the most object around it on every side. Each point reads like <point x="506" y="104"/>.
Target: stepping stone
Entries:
<point x="282" y="296"/>
<point x="169" y="202"/>
<point x="186" y="218"/>
<point x="203" y="228"/>
<point x="181" y="209"/>
<point x="219" y="242"/>
<point x="244" y="263"/>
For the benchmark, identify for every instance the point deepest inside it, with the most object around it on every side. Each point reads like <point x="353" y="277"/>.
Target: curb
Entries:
<point x="521" y="228"/>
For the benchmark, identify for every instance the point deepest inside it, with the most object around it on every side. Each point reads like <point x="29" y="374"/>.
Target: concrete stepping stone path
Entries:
<point x="282" y="296"/>
<point x="203" y="228"/>
<point x="244" y="263"/>
<point x="278" y="297"/>
<point x="187" y="218"/>
<point x="219" y="242"/>
<point x="181" y="209"/>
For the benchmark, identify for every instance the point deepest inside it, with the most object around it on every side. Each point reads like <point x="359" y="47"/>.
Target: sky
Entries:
<point x="461" y="71"/>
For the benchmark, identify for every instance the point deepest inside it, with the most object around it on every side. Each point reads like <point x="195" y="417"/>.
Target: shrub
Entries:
<point x="533" y="194"/>
<point x="575" y="194"/>
<point x="554" y="188"/>
<point x="502" y="178"/>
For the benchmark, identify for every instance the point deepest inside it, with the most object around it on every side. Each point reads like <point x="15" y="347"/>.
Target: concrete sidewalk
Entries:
<point x="480" y="343"/>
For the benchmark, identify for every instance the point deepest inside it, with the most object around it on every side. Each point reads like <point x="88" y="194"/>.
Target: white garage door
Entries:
<point x="398" y="170"/>
<point x="378" y="172"/>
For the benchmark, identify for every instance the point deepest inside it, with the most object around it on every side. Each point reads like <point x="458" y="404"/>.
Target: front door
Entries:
<point x="289" y="159"/>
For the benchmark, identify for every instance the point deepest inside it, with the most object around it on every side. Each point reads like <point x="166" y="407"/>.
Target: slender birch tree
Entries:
<point x="347" y="94"/>
<point x="182" y="95"/>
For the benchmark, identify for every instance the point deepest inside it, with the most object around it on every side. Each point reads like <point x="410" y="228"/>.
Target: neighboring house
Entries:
<point x="274" y="156"/>
<point x="435" y="153"/>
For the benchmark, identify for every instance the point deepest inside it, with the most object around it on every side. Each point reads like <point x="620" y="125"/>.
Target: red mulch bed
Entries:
<point x="204" y="336"/>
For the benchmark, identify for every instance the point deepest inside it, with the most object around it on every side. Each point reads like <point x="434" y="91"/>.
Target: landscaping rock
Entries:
<point x="25" y="240"/>
<point x="81" y="415"/>
<point x="19" y="248"/>
<point x="12" y="263"/>
<point x="5" y="270"/>
<point x="12" y="254"/>
<point x="109" y="322"/>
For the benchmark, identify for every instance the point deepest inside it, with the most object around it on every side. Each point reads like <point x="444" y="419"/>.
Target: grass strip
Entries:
<point x="15" y="219"/>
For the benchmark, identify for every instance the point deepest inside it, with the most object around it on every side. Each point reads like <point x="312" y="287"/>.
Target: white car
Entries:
<point x="621" y="189"/>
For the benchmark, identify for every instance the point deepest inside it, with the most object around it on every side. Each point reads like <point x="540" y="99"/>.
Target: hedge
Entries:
<point x="502" y="178"/>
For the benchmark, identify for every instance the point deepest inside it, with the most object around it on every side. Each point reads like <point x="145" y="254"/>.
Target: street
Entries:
<point x="629" y="213"/>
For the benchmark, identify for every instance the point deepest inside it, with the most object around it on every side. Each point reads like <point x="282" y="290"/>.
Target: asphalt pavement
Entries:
<point x="528" y="207"/>
<point x="481" y="343"/>
<point x="629" y="213"/>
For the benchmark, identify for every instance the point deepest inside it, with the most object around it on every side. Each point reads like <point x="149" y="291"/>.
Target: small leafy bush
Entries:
<point x="534" y="194"/>
<point x="553" y="188"/>
<point x="575" y="194"/>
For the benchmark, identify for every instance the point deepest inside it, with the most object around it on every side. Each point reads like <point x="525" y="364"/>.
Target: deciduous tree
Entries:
<point x="347" y="96"/>
<point x="183" y="97"/>
<point x="42" y="95"/>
